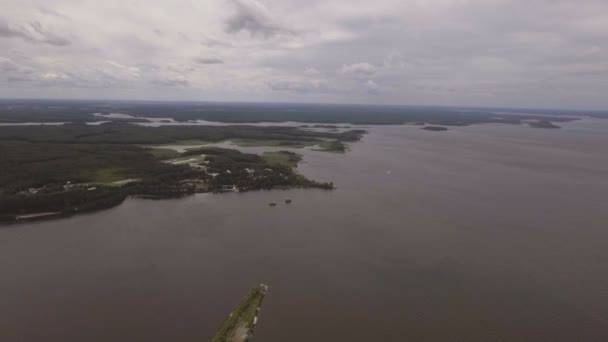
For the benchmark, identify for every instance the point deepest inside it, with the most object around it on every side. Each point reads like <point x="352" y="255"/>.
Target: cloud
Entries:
<point x="358" y="69"/>
<point x="372" y="87"/>
<point x="208" y="60"/>
<point x="447" y="52"/>
<point x="210" y="42"/>
<point x="13" y="71"/>
<point x="32" y="32"/>
<point x="121" y="71"/>
<point x="253" y="17"/>
<point x="309" y="86"/>
<point x="52" y="12"/>
<point x="170" y="82"/>
<point x="311" y="71"/>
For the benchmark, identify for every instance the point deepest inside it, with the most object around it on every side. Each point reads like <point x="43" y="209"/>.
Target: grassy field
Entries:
<point x="273" y="143"/>
<point x="323" y="145"/>
<point x="332" y="146"/>
<point x="189" y="142"/>
<point x="282" y="158"/>
<point x="108" y="175"/>
<point x="186" y="159"/>
<point x="242" y="317"/>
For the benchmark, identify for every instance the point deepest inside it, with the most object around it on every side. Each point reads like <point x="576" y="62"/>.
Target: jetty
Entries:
<point x="36" y="216"/>
<point x="240" y="324"/>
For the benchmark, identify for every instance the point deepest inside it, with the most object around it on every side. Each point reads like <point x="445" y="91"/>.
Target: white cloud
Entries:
<point x="311" y="71"/>
<point x="417" y="52"/>
<point x="358" y="69"/>
<point x="309" y="86"/>
<point x="55" y="76"/>
<point x="372" y="87"/>
<point x="120" y="71"/>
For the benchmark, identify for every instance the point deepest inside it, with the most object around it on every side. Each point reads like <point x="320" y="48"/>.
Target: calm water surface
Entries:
<point x="483" y="233"/>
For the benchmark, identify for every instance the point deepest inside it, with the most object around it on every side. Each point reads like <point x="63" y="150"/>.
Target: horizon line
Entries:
<point x="498" y="107"/>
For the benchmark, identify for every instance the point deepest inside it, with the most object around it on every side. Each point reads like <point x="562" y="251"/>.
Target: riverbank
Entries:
<point x="94" y="187"/>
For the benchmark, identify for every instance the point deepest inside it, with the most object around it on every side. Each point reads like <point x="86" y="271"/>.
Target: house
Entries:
<point x="229" y="188"/>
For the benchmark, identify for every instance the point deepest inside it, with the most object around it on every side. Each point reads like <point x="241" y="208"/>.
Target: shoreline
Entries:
<point x="11" y="219"/>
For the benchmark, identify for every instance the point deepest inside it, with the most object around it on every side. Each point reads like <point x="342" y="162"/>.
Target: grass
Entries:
<point x="282" y="158"/>
<point x="194" y="142"/>
<point x="163" y="153"/>
<point x="273" y="143"/>
<point x="323" y="145"/>
<point x="332" y="146"/>
<point x="108" y="175"/>
<point x="242" y="315"/>
<point x="184" y="159"/>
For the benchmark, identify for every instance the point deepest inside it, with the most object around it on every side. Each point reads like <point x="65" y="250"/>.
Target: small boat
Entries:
<point x="272" y="204"/>
<point x="288" y="200"/>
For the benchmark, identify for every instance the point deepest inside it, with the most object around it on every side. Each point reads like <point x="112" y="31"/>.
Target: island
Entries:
<point x="435" y="128"/>
<point x="543" y="124"/>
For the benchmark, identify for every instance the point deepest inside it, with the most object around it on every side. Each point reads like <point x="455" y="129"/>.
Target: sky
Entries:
<point x="513" y="53"/>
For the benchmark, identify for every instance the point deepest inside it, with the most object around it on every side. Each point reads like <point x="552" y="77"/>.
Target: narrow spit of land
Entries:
<point x="240" y="324"/>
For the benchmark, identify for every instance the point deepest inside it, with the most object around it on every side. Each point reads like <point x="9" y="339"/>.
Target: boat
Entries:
<point x="288" y="200"/>
<point x="272" y="204"/>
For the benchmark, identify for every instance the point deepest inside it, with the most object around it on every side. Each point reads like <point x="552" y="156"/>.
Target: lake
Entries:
<point x="480" y="233"/>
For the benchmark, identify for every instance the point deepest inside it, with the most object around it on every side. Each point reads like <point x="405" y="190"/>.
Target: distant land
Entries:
<point x="68" y="169"/>
<point x="435" y="128"/>
<point x="67" y="157"/>
<point x="75" y="111"/>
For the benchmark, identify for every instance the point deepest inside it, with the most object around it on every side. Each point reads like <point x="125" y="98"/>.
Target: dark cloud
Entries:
<point x="47" y="36"/>
<point x="252" y="17"/>
<point x="32" y="32"/>
<point x="12" y="71"/>
<point x="209" y="60"/>
<point x="8" y="32"/>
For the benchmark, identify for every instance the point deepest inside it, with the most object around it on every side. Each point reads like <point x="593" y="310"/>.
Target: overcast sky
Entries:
<point x="519" y="53"/>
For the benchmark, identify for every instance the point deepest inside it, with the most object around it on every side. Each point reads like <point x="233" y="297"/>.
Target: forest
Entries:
<point x="82" y="111"/>
<point x="78" y="168"/>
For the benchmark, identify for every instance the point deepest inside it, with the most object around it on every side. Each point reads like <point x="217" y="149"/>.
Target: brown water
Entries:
<point x="484" y="233"/>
